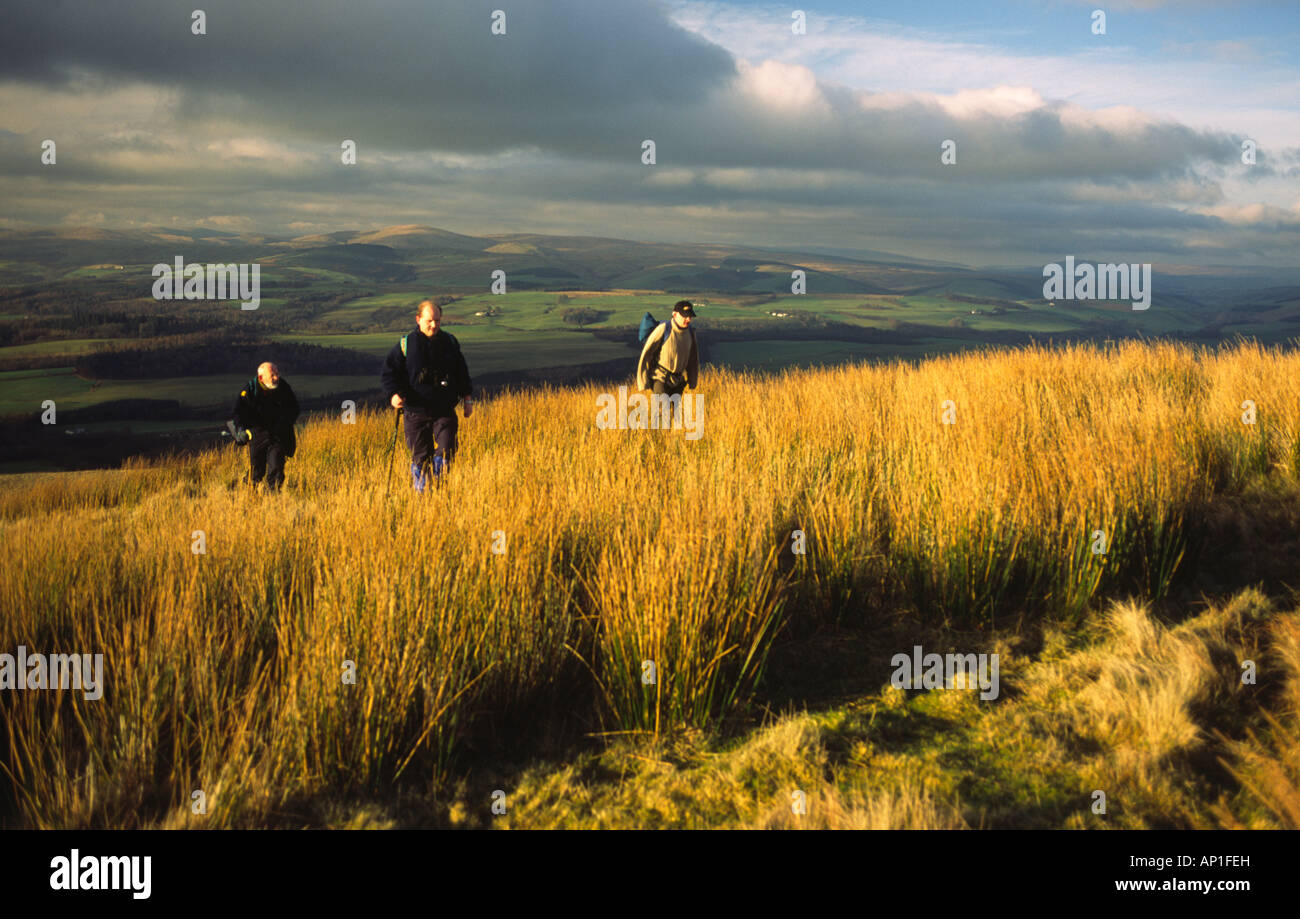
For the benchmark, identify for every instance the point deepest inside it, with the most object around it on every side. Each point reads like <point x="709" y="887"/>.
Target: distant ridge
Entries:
<point x="451" y="261"/>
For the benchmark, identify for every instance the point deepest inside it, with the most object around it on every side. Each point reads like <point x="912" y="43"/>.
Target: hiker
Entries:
<point x="265" y="412"/>
<point x="670" y="360"/>
<point x="424" y="377"/>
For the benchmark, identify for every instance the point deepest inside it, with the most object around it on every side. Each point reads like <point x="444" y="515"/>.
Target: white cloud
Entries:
<point x="255" y="148"/>
<point x="1201" y="85"/>
<point x="1257" y="214"/>
<point x="670" y="178"/>
<point x="777" y="86"/>
<point x="231" y="222"/>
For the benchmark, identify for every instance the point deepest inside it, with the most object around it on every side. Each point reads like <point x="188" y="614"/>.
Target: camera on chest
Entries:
<point x="427" y="377"/>
<point x="434" y="370"/>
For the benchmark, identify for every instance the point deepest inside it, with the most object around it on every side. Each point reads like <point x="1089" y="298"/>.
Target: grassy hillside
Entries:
<point x="522" y="671"/>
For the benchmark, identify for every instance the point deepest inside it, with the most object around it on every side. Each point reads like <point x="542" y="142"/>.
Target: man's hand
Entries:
<point x="469" y="406"/>
<point x="397" y="401"/>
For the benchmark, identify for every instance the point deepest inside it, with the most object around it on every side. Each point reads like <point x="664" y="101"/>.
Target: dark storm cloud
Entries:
<point x="401" y="73"/>
<point x="542" y="128"/>
<point x="586" y="79"/>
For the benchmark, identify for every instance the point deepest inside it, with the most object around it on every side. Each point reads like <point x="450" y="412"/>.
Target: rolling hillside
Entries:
<point x="1101" y="521"/>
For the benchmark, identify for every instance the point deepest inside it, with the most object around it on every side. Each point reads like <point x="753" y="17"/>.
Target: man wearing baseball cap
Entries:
<point x="670" y="360"/>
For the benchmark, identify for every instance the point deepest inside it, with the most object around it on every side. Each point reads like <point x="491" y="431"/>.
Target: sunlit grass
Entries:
<point x="225" y="669"/>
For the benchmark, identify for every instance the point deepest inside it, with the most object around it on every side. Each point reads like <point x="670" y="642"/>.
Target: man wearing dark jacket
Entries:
<point x="425" y="376"/>
<point x="266" y="410"/>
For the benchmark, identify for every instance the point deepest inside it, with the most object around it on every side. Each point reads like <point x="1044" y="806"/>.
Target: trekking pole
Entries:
<point x="392" y="453"/>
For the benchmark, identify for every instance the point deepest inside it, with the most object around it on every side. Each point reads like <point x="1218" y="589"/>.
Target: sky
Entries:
<point x="1122" y="146"/>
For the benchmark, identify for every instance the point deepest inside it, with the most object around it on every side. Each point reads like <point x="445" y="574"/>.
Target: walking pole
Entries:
<point x="392" y="452"/>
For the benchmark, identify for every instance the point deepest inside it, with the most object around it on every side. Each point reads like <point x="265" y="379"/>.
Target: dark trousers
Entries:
<point x="266" y="459"/>
<point x="662" y="388"/>
<point x="431" y="440"/>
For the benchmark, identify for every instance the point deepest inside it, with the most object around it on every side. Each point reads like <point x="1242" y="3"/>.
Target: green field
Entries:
<point x="146" y="427"/>
<point x="528" y="332"/>
<point x="490" y="349"/>
<point x="322" y="275"/>
<point x="538" y="310"/>
<point x="12" y="470"/>
<point x="64" y="346"/>
<point x="95" y="274"/>
<point x="23" y="391"/>
<point x="530" y="310"/>
<point x="361" y="308"/>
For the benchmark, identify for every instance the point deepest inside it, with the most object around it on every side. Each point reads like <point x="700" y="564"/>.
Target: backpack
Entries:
<point x="236" y="431"/>
<point x="659" y="345"/>
<point x="648" y="324"/>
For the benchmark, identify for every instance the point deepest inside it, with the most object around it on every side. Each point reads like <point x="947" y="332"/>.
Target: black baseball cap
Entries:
<point x="684" y="307"/>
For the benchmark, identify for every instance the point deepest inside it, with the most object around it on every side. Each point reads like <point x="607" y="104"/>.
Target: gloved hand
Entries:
<point x="469" y="406"/>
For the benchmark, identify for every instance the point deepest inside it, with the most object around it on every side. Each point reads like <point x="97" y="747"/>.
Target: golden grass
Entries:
<point x="224" y="669"/>
<point x="1137" y="712"/>
<point x="775" y="780"/>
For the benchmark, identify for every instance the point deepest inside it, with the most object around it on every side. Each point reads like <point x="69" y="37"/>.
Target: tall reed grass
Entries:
<point x="224" y="670"/>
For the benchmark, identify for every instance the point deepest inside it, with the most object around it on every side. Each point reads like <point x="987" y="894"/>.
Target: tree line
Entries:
<point x="218" y="353"/>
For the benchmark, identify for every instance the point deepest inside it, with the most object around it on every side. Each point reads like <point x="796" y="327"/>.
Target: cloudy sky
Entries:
<point x="1126" y="145"/>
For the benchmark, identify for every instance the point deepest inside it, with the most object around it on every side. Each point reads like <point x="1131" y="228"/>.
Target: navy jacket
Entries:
<point x="431" y="376"/>
<point x="269" y="413"/>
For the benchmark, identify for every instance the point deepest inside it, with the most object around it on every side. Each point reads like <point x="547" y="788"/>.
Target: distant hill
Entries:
<point x="421" y="239"/>
<point x="373" y="263"/>
<point x="461" y="263"/>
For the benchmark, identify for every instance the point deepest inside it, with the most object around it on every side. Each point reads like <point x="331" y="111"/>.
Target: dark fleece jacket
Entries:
<point x="431" y="376"/>
<point x="272" y="411"/>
